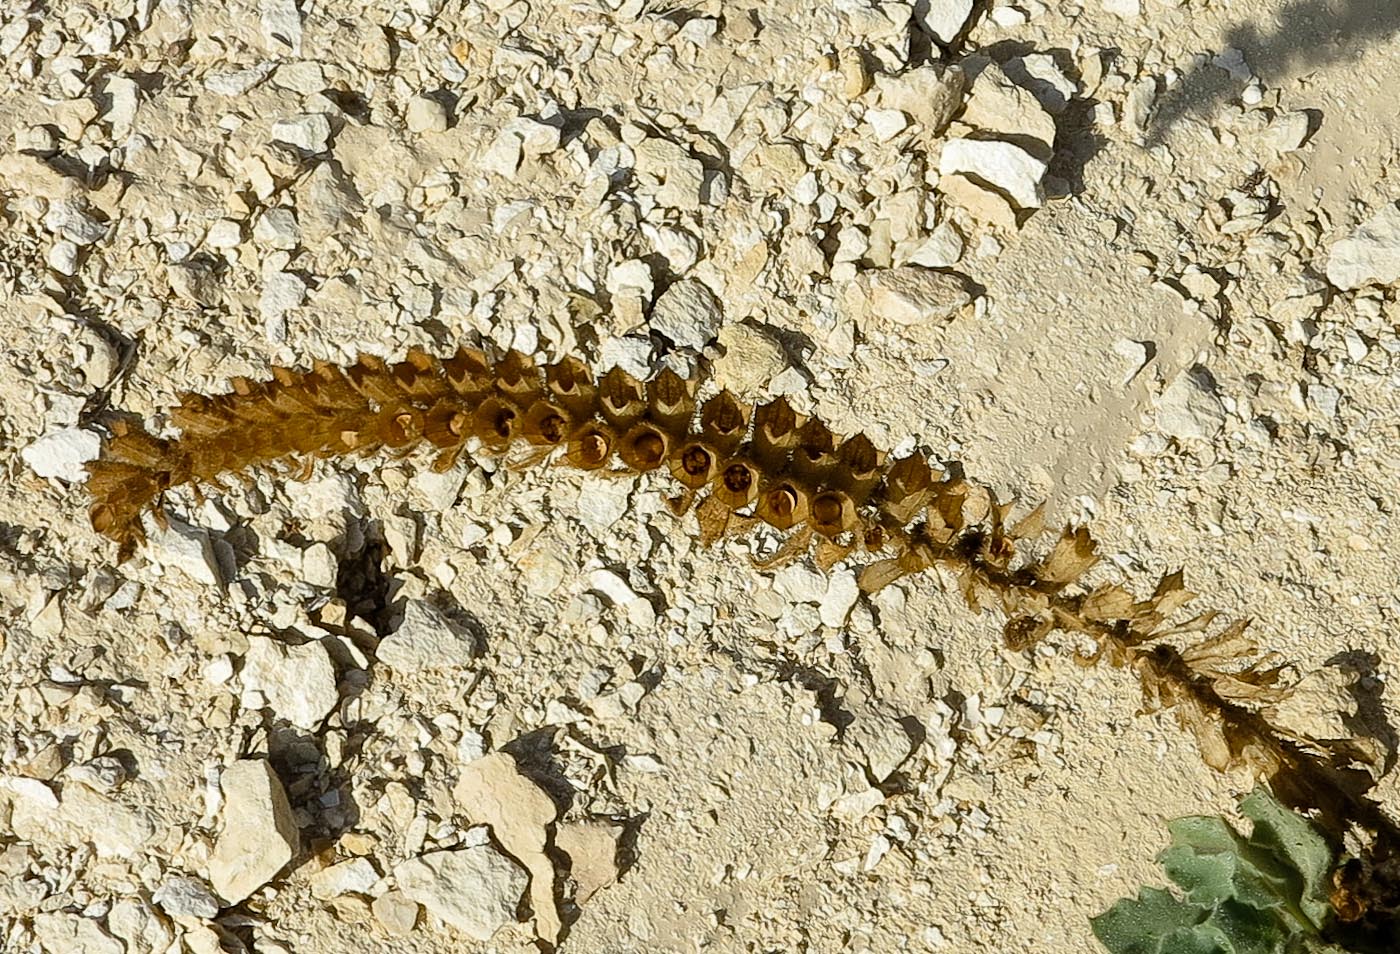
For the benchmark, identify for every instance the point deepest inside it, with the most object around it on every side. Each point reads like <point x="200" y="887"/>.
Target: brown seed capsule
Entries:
<point x="328" y="386"/>
<point x="417" y="376"/>
<point x="590" y="447"/>
<point x="774" y="432"/>
<point x="671" y="405"/>
<point x="814" y="455"/>
<point x="571" y="385"/>
<point x="546" y="425"/>
<point x="783" y="505"/>
<point x="693" y="464"/>
<point x="737" y="484"/>
<point x="469" y="372"/>
<point x="723" y="422"/>
<point x="374" y="379"/>
<point x="907" y="488"/>
<point x="874" y="539"/>
<point x="496" y="422"/>
<point x="833" y="513"/>
<point x="517" y="377"/>
<point x="620" y="397"/>
<point x="445" y="425"/>
<point x="400" y="427"/>
<point x="643" y="448"/>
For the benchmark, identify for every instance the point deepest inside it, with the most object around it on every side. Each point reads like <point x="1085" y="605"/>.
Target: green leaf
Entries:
<point x="1290" y="836"/>
<point x="1249" y="929"/>
<point x="1261" y="894"/>
<point x="1143" y="925"/>
<point x="1212" y="862"/>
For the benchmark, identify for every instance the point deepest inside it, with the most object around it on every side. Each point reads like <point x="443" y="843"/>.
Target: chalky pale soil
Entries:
<point x="1113" y="254"/>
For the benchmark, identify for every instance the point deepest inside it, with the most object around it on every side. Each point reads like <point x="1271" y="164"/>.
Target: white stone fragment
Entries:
<point x="277" y="228"/>
<point x="281" y="292"/>
<point x="426" y="639"/>
<point x="63" y="257"/>
<point x="886" y="123"/>
<point x="355" y="876"/>
<point x="67" y="219"/>
<point x="74" y="934"/>
<point x="1127" y="9"/>
<point x="944" y="18"/>
<point x="281" y="25"/>
<point x="943" y="248"/>
<point x="929" y="95"/>
<point x="476" y="889"/>
<point x="688" y="313"/>
<point x="997" y="105"/>
<point x="1288" y="131"/>
<point x="309" y="132"/>
<point x="425" y="114"/>
<point x="224" y="234"/>
<point x="186" y="548"/>
<point x="840" y="597"/>
<point x="1041" y="75"/>
<point x="912" y="294"/>
<point x="1002" y="165"/>
<point x="62" y="453"/>
<point x="1137" y="108"/>
<point x="182" y="896"/>
<point x="1187" y="411"/>
<point x="297" y="682"/>
<point x="259" y="834"/>
<point x="1370" y="255"/>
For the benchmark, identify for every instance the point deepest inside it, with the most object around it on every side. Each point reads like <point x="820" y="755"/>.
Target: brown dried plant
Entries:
<point x="766" y="463"/>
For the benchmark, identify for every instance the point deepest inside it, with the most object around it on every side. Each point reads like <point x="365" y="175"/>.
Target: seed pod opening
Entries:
<point x="445" y="425"/>
<point x="737" y="484"/>
<point x="833" y="513"/>
<point x="620" y="397"/>
<point x="496" y="422"/>
<point x="723" y="422"/>
<point x="859" y="457"/>
<point x="671" y="404"/>
<point x="693" y="464"/>
<point x="546" y="425"/>
<point x="783" y="505"/>
<point x="400" y="427"/>
<point x="644" y="448"/>
<point x="590" y="447"/>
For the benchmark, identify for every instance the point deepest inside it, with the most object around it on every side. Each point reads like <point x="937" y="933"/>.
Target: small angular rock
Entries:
<point x="476" y="890"/>
<point x="426" y="639"/>
<point x="688" y="313"/>
<point x="259" y="834"/>
<point x="1370" y="255"/>
<point x="912" y="294"/>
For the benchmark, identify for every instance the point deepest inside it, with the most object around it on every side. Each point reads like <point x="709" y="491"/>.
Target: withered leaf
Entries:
<point x="1072" y="557"/>
<point x="1109" y="601"/>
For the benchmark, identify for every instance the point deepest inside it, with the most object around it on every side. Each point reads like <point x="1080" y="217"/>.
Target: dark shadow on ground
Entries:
<point x="1302" y="35"/>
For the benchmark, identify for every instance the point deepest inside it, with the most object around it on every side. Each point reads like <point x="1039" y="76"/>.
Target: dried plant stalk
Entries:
<point x="795" y="475"/>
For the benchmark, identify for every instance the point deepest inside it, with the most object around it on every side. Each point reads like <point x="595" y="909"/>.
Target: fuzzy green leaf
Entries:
<point x="1262" y="894"/>
<point x="1289" y="836"/>
<point x="1213" y="862"/>
<point x="1143" y="925"/>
